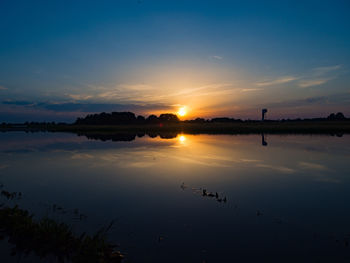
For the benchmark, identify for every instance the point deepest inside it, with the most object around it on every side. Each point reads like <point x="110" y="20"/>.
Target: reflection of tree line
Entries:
<point x="263" y="140"/>
<point x="129" y="136"/>
<point x="126" y="136"/>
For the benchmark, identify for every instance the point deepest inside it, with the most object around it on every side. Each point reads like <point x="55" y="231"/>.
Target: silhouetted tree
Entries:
<point x="114" y="118"/>
<point x="197" y="120"/>
<point x="152" y="119"/>
<point x="225" y="119"/>
<point x="140" y="119"/>
<point x="338" y="116"/>
<point x="168" y="117"/>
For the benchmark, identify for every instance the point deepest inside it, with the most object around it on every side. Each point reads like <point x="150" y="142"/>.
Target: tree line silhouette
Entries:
<point x="129" y="118"/>
<point x="125" y="118"/>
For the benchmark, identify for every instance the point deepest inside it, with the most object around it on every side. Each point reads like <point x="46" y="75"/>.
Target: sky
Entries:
<point x="64" y="59"/>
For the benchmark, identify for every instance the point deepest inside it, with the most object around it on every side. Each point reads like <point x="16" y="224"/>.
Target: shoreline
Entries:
<point x="248" y="127"/>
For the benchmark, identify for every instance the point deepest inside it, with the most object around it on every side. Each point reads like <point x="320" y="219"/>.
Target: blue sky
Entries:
<point x="60" y="59"/>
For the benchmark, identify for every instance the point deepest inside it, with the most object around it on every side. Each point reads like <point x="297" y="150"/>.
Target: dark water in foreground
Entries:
<point x="287" y="201"/>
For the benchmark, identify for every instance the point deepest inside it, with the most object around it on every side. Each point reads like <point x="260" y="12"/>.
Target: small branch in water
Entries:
<point x="203" y="192"/>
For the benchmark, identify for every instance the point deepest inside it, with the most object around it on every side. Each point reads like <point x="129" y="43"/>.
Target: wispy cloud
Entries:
<point x="298" y="102"/>
<point x="128" y="92"/>
<point x="317" y="106"/>
<point x="2" y="88"/>
<point x="316" y="76"/>
<point x="277" y="81"/>
<point x="136" y="87"/>
<point x="207" y="90"/>
<point x="82" y="156"/>
<point x="319" y="76"/>
<point x="319" y="71"/>
<point x="250" y="160"/>
<point x="250" y="90"/>
<point x="48" y="111"/>
<point x="217" y="57"/>
<point x="312" y="82"/>
<point x="141" y="93"/>
<point x="18" y="103"/>
<point x="79" y="96"/>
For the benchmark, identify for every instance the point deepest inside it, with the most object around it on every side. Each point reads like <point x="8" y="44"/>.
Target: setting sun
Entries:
<point x="182" y="111"/>
<point x="182" y="138"/>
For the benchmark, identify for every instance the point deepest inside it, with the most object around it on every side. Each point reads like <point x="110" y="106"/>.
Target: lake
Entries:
<point x="190" y="198"/>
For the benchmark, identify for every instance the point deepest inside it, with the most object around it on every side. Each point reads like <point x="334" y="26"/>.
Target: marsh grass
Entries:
<point x="47" y="238"/>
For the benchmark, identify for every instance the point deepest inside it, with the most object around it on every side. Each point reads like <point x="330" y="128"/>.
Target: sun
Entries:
<point x="182" y="111"/>
<point x="182" y="138"/>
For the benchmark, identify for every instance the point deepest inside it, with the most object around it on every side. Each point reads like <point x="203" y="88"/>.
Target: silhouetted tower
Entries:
<point x="263" y="112"/>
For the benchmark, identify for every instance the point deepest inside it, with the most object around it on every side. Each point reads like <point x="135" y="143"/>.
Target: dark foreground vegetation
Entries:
<point x="128" y="123"/>
<point x="47" y="238"/>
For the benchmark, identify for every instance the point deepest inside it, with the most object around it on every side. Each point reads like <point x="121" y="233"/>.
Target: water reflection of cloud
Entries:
<point x="316" y="143"/>
<point x="200" y="151"/>
<point x="196" y="161"/>
<point x="146" y="157"/>
<point x="136" y="158"/>
<point x="140" y="164"/>
<point x="323" y="177"/>
<point x="20" y="142"/>
<point x="327" y="179"/>
<point x="218" y="157"/>
<point x="312" y="166"/>
<point x="282" y="169"/>
<point x="200" y="156"/>
<point x="315" y="170"/>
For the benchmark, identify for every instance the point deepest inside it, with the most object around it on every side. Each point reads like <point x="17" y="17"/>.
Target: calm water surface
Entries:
<point x="287" y="198"/>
